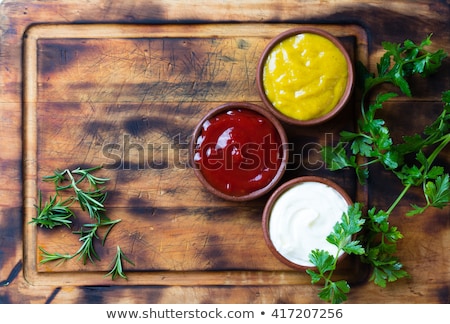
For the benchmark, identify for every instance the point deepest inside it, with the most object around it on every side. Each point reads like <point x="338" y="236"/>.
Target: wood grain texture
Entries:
<point x="131" y="97"/>
<point x="426" y="242"/>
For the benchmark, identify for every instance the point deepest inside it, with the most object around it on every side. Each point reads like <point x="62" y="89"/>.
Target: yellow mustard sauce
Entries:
<point x="305" y="76"/>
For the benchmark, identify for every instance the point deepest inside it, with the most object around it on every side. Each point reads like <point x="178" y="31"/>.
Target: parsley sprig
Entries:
<point x="400" y="61"/>
<point x="372" y="143"/>
<point x="341" y="237"/>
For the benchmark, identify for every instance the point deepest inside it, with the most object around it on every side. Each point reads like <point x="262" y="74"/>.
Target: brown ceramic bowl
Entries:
<point x="261" y="85"/>
<point x="280" y="220"/>
<point x="223" y="173"/>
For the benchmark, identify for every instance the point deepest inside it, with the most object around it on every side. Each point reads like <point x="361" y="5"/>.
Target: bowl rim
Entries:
<point x="345" y="96"/>
<point x="255" y="108"/>
<point x="274" y="197"/>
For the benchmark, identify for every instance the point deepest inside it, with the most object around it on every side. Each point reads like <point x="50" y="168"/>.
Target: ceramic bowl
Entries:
<point x="296" y="219"/>
<point x="300" y="87"/>
<point x="226" y="176"/>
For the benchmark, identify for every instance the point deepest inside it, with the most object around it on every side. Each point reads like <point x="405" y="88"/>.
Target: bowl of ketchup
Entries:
<point x="239" y="151"/>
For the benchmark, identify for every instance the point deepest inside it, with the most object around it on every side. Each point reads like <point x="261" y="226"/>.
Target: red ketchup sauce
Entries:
<point x="238" y="151"/>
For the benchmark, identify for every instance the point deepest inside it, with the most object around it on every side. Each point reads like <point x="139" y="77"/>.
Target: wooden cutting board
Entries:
<point x="128" y="97"/>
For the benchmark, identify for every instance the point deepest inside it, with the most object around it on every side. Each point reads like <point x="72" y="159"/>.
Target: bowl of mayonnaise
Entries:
<point x="298" y="217"/>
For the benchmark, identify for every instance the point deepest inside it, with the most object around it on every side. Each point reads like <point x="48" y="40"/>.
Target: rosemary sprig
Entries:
<point x="117" y="265"/>
<point x="54" y="213"/>
<point x="49" y="257"/>
<point x="87" y="249"/>
<point x="88" y="235"/>
<point x="91" y="199"/>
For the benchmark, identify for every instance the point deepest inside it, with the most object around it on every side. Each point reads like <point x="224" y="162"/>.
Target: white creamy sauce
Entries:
<point x="302" y="218"/>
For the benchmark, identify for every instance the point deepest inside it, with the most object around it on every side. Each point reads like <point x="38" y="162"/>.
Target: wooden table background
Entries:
<point x="424" y="250"/>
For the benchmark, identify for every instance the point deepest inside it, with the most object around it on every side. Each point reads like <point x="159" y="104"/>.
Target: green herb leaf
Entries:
<point x="336" y="157"/>
<point x="351" y="223"/>
<point x="438" y="192"/>
<point x="315" y="277"/>
<point x="322" y="260"/>
<point x="372" y="143"/>
<point x="54" y="213"/>
<point x="117" y="265"/>
<point x="49" y="257"/>
<point x="335" y="292"/>
<point x="354" y="247"/>
<point x="92" y="198"/>
<point x="390" y="271"/>
<point x="88" y="235"/>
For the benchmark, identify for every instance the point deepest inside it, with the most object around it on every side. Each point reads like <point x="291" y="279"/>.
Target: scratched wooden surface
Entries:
<point x="132" y="99"/>
<point x="92" y="91"/>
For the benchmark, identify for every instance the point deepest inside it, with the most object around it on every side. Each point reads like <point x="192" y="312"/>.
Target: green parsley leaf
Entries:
<point x="351" y="223"/>
<point x="336" y="157"/>
<point x="438" y="192"/>
<point x="322" y="260"/>
<point x="335" y="292"/>
<point x="372" y="143"/>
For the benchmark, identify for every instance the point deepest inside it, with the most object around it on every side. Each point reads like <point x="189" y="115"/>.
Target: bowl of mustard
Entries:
<point x="305" y="76"/>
